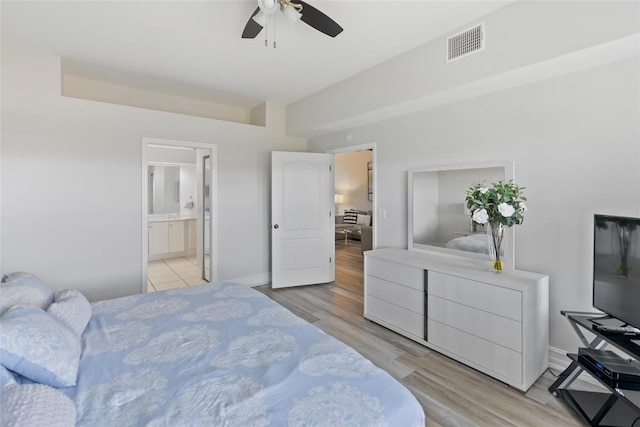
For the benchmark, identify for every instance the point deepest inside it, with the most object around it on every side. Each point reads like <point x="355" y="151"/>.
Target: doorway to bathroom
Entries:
<point x="179" y="214"/>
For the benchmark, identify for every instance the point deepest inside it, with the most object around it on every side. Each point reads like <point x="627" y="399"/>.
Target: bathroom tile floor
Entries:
<point x="172" y="273"/>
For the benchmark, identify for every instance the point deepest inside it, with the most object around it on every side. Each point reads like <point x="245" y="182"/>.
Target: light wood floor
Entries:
<point x="450" y="393"/>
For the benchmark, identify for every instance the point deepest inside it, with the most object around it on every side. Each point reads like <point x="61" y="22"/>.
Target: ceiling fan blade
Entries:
<point x="318" y="20"/>
<point x="252" y="29"/>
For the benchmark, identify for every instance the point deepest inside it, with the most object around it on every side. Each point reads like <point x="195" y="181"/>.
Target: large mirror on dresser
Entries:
<point x="438" y="218"/>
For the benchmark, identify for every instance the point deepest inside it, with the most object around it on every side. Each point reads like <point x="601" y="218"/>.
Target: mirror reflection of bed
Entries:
<point x="477" y="242"/>
<point x="438" y="218"/>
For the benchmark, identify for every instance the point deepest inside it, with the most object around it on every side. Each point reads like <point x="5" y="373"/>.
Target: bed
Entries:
<point x="215" y="354"/>
<point x="477" y="243"/>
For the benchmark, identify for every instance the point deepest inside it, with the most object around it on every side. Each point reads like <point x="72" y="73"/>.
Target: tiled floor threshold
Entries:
<point x="172" y="273"/>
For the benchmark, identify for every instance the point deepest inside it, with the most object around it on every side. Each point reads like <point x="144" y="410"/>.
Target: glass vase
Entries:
<point x="495" y="234"/>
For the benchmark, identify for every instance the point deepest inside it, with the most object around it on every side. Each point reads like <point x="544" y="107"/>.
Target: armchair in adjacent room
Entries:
<point x="366" y="238"/>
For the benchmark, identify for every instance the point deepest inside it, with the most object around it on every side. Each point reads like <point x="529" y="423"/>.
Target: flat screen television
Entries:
<point x="616" y="267"/>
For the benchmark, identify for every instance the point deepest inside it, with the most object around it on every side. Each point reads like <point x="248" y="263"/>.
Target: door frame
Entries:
<point x="374" y="211"/>
<point x="213" y="150"/>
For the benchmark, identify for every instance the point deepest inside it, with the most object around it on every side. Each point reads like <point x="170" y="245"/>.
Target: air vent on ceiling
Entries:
<point x="465" y="43"/>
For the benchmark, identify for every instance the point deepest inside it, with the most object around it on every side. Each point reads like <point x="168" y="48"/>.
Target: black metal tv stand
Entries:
<point x="617" y="407"/>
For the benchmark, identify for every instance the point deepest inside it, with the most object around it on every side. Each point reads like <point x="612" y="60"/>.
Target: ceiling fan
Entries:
<point x="293" y="10"/>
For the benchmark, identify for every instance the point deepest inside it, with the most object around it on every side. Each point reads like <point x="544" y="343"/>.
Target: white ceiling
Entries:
<point x="194" y="48"/>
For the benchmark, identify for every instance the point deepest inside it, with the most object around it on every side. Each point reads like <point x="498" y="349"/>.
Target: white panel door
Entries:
<point x="302" y="233"/>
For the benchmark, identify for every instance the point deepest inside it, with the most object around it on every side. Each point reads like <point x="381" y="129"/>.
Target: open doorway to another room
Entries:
<point x="355" y="211"/>
<point x="178" y="199"/>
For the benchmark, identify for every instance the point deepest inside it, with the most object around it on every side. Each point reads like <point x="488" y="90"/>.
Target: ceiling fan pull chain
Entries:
<point x="274" y="31"/>
<point x="266" y="32"/>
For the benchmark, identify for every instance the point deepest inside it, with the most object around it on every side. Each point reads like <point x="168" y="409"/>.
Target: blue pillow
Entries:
<point x="22" y="288"/>
<point x="36" y="345"/>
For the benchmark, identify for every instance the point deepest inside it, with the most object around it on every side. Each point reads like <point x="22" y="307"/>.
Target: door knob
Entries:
<point x="276" y="226"/>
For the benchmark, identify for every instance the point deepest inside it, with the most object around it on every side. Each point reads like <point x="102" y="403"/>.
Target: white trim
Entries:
<point x="253" y="280"/>
<point x="352" y="148"/>
<point x="213" y="149"/>
<point x="144" y="217"/>
<point x="558" y="359"/>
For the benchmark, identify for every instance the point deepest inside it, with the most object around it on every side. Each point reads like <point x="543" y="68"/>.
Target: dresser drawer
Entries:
<point x="412" y="277"/>
<point x="397" y="316"/>
<point x="497" y="329"/>
<point x="493" y="299"/>
<point x="396" y="294"/>
<point x="474" y="350"/>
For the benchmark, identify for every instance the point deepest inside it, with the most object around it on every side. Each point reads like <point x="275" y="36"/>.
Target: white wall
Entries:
<point x="575" y="141"/>
<point x="557" y="90"/>
<point x="526" y="41"/>
<point x="71" y="182"/>
<point x="89" y="88"/>
<point x="351" y="180"/>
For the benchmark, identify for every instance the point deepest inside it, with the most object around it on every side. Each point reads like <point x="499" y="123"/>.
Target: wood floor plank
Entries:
<point x="499" y="403"/>
<point x="380" y="352"/>
<point x="451" y="393"/>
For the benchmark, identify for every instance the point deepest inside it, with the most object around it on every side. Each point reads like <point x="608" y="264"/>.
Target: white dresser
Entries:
<point x="497" y="323"/>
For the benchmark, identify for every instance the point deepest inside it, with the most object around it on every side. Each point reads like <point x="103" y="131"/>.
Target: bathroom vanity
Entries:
<point x="171" y="237"/>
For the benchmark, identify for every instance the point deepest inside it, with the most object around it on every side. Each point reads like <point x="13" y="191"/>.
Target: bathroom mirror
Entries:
<point x="164" y="189"/>
<point x="438" y="214"/>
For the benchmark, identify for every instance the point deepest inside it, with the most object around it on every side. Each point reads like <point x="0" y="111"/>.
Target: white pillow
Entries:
<point x="36" y="345"/>
<point x="36" y="405"/>
<point x="21" y="288"/>
<point x="364" y="219"/>
<point x="71" y="308"/>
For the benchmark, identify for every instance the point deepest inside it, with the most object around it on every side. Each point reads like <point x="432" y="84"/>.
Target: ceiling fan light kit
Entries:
<point x="293" y="10"/>
<point x="268" y="7"/>
<point x="291" y="13"/>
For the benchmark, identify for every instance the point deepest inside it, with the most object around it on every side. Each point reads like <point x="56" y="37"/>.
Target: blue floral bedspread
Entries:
<point x="226" y="355"/>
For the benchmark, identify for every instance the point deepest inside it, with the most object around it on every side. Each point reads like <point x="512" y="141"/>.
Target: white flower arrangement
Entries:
<point x="500" y="204"/>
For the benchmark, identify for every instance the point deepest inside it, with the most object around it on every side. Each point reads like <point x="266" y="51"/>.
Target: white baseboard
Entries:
<point x="253" y="280"/>
<point x="558" y="359"/>
<point x="169" y="255"/>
